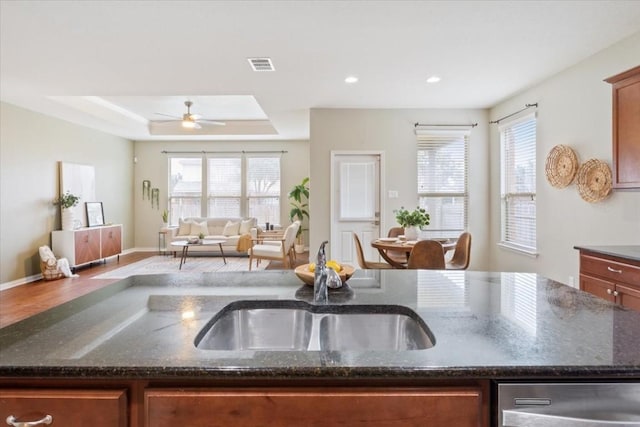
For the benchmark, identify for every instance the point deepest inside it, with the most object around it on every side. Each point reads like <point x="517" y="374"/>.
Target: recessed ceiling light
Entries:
<point x="433" y="79"/>
<point x="351" y="79"/>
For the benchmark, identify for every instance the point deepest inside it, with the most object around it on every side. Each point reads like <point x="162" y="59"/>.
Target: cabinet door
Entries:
<point x="87" y="246"/>
<point x="111" y="241"/>
<point x="95" y="408"/>
<point x="598" y="287"/>
<point x="628" y="296"/>
<point x="460" y="407"/>
<point x="626" y="129"/>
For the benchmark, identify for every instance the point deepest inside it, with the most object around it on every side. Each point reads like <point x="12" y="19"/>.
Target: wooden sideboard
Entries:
<point x="612" y="278"/>
<point x="626" y="129"/>
<point x="86" y="245"/>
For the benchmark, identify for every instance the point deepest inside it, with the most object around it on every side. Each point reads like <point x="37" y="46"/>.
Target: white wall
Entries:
<point x="574" y="109"/>
<point x="31" y="145"/>
<point x="152" y="164"/>
<point x="392" y="131"/>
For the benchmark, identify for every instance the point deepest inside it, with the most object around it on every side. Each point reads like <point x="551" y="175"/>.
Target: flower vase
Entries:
<point x="411" y="232"/>
<point x="68" y="219"/>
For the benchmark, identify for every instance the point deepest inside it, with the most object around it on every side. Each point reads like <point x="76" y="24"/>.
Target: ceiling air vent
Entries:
<point x="261" y="64"/>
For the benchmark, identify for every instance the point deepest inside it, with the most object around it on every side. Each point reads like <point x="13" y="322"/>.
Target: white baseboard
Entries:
<point x="36" y="277"/>
<point x="23" y="281"/>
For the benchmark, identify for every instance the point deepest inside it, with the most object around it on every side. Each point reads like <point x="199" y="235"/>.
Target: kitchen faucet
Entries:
<point x="324" y="277"/>
<point x="320" y="277"/>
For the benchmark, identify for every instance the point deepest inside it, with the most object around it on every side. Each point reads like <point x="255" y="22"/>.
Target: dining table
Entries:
<point x="384" y="244"/>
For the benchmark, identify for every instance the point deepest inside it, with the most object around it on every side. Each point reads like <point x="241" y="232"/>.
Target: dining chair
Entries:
<point x="461" y="254"/>
<point x="362" y="262"/>
<point x="397" y="256"/>
<point x="427" y="255"/>
<point x="276" y="249"/>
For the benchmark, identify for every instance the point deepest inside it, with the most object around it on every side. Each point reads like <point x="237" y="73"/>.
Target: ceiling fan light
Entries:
<point x="189" y="124"/>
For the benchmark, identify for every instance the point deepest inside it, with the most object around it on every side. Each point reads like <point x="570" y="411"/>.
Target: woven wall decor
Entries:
<point x="561" y="166"/>
<point x="594" y="180"/>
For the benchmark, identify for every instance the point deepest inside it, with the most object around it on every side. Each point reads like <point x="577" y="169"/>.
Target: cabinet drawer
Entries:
<point x="95" y="408"/>
<point x="613" y="270"/>
<point x="460" y="407"/>
<point x="629" y="296"/>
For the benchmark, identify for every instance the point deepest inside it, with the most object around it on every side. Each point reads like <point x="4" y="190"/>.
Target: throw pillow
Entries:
<point x="197" y="228"/>
<point x="184" y="227"/>
<point x="231" y="229"/>
<point x="245" y="226"/>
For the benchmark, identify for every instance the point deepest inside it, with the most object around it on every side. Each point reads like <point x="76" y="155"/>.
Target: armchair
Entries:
<point x="279" y="248"/>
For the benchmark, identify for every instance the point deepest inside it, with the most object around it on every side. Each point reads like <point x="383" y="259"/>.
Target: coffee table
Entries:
<point x="186" y="245"/>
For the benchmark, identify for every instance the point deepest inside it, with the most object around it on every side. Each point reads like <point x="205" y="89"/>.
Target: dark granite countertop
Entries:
<point x="631" y="253"/>
<point x="486" y="325"/>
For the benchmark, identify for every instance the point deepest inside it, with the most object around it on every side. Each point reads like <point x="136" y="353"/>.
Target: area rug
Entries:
<point x="169" y="264"/>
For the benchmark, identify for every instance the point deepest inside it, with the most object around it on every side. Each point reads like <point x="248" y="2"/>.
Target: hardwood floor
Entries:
<point x="24" y="301"/>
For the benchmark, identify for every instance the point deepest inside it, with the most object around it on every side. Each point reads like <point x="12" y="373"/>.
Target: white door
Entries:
<point x="355" y="204"/>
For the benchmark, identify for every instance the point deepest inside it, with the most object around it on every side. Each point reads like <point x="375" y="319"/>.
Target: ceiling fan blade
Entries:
<point x="212" y="122"/>
<point x="165" y="121"/>
<point x="169" y="115"/>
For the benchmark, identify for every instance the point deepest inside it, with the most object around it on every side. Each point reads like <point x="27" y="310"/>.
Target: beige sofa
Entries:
<point x="228" y="229"/>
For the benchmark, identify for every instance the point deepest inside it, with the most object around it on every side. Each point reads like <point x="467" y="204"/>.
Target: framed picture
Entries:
<point x="95" y="214"/>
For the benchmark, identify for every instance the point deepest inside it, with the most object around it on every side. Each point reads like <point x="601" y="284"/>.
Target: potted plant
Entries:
<point x="201" y="237"/>
<point x="165" y="218"/>
<point x="412" y="221"/>
<point x="66" y="201"/>
<point x="299" y="197"/>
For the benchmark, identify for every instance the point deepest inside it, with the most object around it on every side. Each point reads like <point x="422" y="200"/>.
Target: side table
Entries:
<point x="162" y="241"/>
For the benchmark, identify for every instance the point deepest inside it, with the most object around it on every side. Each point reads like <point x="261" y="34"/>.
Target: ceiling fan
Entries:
<point x="189" y="120"/>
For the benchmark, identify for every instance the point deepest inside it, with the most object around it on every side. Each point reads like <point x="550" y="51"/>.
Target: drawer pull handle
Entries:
<point x="613" y="270"/>
<point x="11" y="420"/>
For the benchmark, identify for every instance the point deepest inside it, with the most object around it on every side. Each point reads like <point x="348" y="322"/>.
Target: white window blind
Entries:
<point x="185" y="187"/>
<point x="442" y="181"/>
<point x="263" y="188"/>
<point x="224" y="186"/>
<point x="518" y="163"/>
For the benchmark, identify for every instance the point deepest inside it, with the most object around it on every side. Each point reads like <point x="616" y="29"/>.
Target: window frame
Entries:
<point x="205" y="197"/>
<point x="171" y="197"/>
<point x="506" y="196"/>
<point x="424" y="138"/>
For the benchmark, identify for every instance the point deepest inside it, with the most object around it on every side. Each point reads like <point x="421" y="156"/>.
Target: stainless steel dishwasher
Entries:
<point x="569" y="405"/>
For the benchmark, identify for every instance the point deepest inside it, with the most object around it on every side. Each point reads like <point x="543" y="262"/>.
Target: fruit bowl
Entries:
<point x="302" y="271"/>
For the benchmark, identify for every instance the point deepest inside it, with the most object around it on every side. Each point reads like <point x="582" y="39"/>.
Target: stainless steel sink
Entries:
<point x="298" y="326"/>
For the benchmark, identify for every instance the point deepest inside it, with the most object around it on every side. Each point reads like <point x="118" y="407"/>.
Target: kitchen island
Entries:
<point x="135" y="338"/>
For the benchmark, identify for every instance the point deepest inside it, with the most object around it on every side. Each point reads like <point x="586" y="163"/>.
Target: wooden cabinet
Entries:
<point x="86" y="245"/>
<point x="326" y="407"/>
<point x="110" y="241"/>
<point x="95" y="408"/>
<point x="612" y="278"/>
<point x="626" y="129"/>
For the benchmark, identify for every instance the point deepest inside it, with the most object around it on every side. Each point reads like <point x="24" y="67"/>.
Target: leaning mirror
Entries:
<point x="95" y="215"/>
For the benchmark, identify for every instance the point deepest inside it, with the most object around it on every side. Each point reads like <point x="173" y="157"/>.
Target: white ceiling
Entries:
<point x="146" y="57"/>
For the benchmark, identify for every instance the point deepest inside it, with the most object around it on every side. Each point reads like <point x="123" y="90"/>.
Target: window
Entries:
<point x="263" y="188"/>
<point x="234" y="185"/>
<point x="442" y="181"/>
<point x="224" y="188"/>
<point x="518" y="193"/>
<point x="185" y="187"/>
